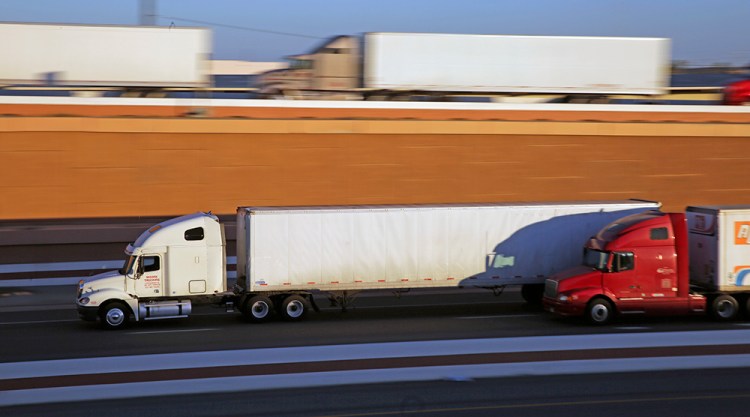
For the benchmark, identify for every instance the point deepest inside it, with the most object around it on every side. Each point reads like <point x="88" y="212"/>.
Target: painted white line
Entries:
<point x="499" y="316"/>
<point x="172" y="331"/>
<point x="276" y="355"/>
<point x="318" y="379"/>
<point x="11" y="323"/>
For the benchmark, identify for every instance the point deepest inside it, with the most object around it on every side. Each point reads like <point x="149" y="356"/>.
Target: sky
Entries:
<point x="703" y="32"/>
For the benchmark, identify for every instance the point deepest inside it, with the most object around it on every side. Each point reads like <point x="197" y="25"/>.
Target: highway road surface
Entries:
<point x="427" y="353"/>
<point x="424" y="353"/>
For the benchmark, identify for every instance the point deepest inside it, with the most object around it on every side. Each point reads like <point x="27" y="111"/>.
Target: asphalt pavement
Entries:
<point x="57" y="297"/>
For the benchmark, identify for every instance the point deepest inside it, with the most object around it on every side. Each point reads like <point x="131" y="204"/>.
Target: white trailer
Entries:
<point x="516" y="64"/>
<point x="287" y="254"/>
<point x="104" y="55"/>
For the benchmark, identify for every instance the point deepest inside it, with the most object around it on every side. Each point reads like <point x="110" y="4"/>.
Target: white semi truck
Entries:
<point x="390" y="65"/>
<point x="287" y="254"/>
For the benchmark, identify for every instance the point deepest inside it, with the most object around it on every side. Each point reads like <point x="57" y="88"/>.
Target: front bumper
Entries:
<point x="563" y="308"/>
<point x="87" y="313"/>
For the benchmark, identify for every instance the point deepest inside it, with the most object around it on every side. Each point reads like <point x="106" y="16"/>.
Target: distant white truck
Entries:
<point x="104" y="55"/>
<point x="436" y="64"/>
<point x="286" y="254"/>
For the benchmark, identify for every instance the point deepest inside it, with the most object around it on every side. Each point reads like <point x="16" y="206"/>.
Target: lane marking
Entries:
<point x="276" y="355"/>
<point x="367" y="376"/>
<point x="499" y="316"/>
<point x="38" y="322"/>
<point x="172" y="331"/>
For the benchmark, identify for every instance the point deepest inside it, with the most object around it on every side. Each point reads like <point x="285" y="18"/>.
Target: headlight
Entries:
<point x="83" y="301"/>
<point x="562" y="298"/>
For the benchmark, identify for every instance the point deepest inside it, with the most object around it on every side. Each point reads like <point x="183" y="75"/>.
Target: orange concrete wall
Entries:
<point x="67" y="167"/>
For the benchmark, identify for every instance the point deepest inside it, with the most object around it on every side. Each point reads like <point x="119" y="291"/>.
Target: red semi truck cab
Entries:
<point x="737" y="93"/>
<point x="635" y="265"/>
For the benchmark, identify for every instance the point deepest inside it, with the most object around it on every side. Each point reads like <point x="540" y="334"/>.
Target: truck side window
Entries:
<point x="194" y="234"/>
<point x="659" y="233"/>
<point x="624" y="262"/>
<point x="150" y="263"/>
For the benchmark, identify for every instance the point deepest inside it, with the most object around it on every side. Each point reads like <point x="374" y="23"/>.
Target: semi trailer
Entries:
<point x="66" y="55"/>
<point x="285" y="255"/>
<point x="398" y="65"/>
<point x="655" y="263"/>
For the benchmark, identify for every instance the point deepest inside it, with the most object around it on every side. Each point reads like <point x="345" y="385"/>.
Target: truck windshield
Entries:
<point x="127" y="268"/>
<point x="595" y="259"/>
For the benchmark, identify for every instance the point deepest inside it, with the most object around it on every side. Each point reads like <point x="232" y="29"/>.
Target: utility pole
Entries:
<point x="147" y="13"/>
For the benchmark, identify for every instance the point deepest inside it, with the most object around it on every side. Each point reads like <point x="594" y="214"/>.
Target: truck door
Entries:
<point x="150" y="278"/>
<point x="623" y="282"/>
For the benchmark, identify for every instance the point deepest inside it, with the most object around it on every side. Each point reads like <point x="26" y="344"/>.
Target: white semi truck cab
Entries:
<point x="168" y="267"/>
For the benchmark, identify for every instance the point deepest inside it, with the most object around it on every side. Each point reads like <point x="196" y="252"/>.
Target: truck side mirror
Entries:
<point x="139" y="269"/>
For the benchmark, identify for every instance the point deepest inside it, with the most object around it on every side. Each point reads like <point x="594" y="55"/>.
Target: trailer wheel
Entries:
<point x="294" y="308"/>
<point x="115" y="315"/>
<point x="724" y="308"/>
<point x="599" y="311"/>
<point x="258" y="309"/>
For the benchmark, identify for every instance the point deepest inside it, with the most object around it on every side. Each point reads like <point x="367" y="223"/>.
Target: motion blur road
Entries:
<point x="37" y="332"/>
<point x="424" y="353"/>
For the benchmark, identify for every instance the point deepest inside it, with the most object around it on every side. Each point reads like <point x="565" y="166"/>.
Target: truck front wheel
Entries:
<point x="115" y="315"/>
<point x="258" y="309"/>
<point x="599" y="311"/>
<point x="724" y="308"/>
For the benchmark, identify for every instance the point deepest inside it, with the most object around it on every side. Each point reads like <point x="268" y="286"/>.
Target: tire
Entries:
<point x="724" y="308"/>
<point x="115" y="315"/>
<point x="599" y="312"/>
<point x="258" y="309"/>
<point x="532" y="293"/>
<point x="294" y="308"/>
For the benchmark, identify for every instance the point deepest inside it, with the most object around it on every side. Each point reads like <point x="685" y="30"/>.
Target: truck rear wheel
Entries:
<point x="599" y="311"/>
<point x="294" y="307"/>
<point x="115" y="315"/>
<point x="724" y="308"/>
<point x="258" y="309"/>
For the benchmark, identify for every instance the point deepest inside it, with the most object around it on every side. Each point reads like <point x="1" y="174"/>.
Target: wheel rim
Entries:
<point x="260" y="309"/>
<point x="295" y="309"/>
<point x="725" y="309"/>
<point x="115" y="317"/>
<point x="599" y="313"/>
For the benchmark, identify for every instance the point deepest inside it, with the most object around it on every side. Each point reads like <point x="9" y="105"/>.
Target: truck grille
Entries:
<point x="550" y="288"/>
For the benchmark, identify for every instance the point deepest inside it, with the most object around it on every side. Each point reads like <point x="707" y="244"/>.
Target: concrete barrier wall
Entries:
<point x="70" y="167"/>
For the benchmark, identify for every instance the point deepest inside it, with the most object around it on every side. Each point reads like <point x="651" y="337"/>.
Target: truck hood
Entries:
<point x="577" y="278"/>
<point x="110" y="279"/>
